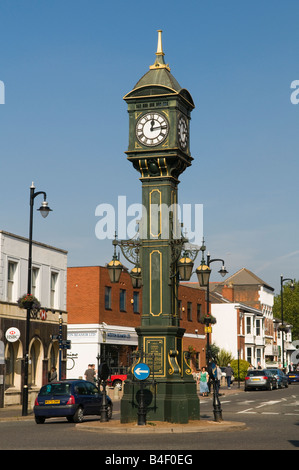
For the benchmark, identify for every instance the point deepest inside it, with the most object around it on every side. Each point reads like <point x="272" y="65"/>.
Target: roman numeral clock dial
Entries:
<point x="152" y="129"/>
<point x="183" y="132"/>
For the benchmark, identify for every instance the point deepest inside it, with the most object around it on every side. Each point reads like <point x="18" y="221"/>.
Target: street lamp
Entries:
<point x="282" y="280"/>
<point x="44" y="210"/>
<point x="203" y="273"/>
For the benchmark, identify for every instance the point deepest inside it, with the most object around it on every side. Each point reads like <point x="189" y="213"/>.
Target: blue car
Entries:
<point x="72" y="399"/>
<point x="293" y="376"/>
<point x="282" y="379"/>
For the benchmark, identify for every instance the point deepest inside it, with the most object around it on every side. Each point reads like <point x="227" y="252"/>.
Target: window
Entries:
<point x="53" y="293"/>
<point x="34" y="282"/>
<point x="198" y="312"/>
<point x="122" y="300"/>
<point x="11" y="281"/>
<point x="108" y="298"/>
<point x="259" y="355"/>
<point x="258" y="327"/>
<point x="249" y="355"/>
<point x="248" y="325"/>
<point x="189" y="311"/>
<point x="180" y="310"/>
<point x="136" y="302"/>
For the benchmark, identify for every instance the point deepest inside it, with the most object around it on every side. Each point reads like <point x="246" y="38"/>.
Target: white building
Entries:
<point x="239" y="329"/>
<point x="49" y="271"/>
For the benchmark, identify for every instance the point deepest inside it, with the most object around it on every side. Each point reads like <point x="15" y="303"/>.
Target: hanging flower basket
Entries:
<point x="29" y="301"/>
<point x="208" y="320"/>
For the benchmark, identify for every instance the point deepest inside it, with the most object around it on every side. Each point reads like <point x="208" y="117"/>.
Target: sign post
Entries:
<point x="141" y="372"/>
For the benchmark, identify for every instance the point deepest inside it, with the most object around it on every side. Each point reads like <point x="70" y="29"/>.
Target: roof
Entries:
<point x="245" y="277"/>
<point x="158" y="80"/>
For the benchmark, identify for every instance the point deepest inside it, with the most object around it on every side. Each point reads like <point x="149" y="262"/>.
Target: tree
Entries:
<point x="290" y="307"/>
<point x="224" y="358"/>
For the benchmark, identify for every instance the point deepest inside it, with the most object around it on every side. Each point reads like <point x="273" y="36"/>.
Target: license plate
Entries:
<point x="292" y="376"/>
<point x="52" y="402"/>
<point x="256" y="379"/>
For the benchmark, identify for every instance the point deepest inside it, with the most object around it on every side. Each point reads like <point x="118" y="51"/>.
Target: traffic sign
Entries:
<point x="141" y="371"/>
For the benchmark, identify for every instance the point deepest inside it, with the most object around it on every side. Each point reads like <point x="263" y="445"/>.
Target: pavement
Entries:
<point x="14" y="413"/>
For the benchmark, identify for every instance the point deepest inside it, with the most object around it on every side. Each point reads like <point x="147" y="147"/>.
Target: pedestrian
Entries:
<point x="219" y="376"/>
<point x="203" y="382"/>
<point x="229" y="372"/>
<point x="53" y="375"/>
<point x="90" y="373"/>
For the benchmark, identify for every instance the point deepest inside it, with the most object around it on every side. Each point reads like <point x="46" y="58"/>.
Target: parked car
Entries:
<point x="116" y="380"/>
<point x="293" y="376"/>
<point x="260" y="378"/>
<point x="72" y="399"/>
<point x="224" y="374"/>
<point x="282" y="379"/>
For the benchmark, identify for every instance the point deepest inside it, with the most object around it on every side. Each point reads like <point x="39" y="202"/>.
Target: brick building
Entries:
<point x="103" y="316"/>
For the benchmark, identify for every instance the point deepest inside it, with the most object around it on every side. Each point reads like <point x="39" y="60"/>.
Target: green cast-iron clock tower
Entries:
<point x="159" y="149"/>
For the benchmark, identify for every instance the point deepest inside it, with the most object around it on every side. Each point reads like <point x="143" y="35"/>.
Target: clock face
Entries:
<point x="152" y="129"/>
<point x="183" y="132"/>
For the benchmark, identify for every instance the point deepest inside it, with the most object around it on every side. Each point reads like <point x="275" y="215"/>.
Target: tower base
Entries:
<point x="169" y="394"/>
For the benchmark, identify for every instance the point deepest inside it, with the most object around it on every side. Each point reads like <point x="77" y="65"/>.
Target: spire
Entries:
<point x="159" y="62"/>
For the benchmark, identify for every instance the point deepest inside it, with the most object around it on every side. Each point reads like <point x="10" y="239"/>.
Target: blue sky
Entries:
<point x="66" y="67"/>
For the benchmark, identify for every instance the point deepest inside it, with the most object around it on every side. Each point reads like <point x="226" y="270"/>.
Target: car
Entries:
<point x="282" y="379"/>
<point x="224" y="374"/>
<point x="116" y="380"/>
<point x="293" y="376"/>
<point x="72" y="398"/>
<point x="260" y="378"/>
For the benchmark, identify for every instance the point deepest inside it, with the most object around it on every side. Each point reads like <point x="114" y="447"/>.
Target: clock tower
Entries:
<point x="159" y="149"/>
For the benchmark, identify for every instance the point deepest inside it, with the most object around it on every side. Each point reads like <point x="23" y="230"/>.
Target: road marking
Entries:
<point x="247" y="411"/>
<point x="267" y="403"/>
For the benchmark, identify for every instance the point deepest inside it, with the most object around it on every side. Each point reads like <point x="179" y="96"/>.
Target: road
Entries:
<point x="272" y="420"/>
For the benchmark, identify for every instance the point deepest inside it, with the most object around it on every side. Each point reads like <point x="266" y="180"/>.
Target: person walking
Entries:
<point x="90" y="373"/>
<point x="203" y="382"/>
<point x="229" y="372"/>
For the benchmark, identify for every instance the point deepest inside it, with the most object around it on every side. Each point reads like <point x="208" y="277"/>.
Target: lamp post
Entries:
<point x="44" y="210"/>
<point x="282" y="280"/>
<point x="203" y="273"/>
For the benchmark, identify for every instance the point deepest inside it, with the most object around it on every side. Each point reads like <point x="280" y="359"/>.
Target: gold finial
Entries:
<point x="159" y="47"/>
<point x="159" y="62"/>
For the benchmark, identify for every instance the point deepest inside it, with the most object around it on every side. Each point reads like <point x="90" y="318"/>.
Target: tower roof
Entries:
<point x="159" y="76"/>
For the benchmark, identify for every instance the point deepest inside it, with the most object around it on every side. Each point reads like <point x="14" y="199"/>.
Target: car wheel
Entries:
<point x="40" y="419"/>
<point x="78" y="416"/>
<point x="270" y="386"/>
<point x="286" y="385"/>
<point x="109" y="411"/>
<point x="117" y="384"/>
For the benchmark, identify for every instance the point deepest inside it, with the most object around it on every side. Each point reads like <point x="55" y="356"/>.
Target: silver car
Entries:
<point x="260" y="378"/>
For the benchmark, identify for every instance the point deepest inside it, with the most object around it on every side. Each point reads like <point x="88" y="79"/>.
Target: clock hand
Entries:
<point x="158" y="127"/>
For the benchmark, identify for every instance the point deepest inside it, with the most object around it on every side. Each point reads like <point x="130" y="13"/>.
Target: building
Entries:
<point x="49" y="270"/>
<point x="239" y="329"/>
<point x="102" y="318"/>
<point x="256" y="299"/>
